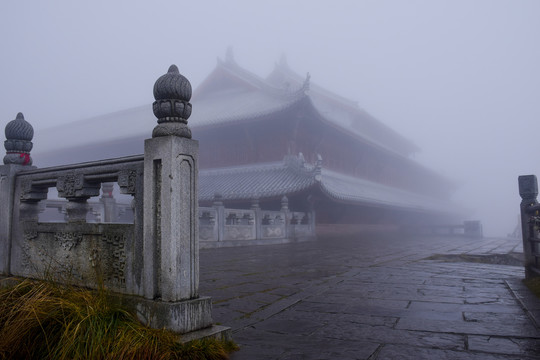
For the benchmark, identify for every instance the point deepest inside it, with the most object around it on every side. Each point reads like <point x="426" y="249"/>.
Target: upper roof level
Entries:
<point x="230" y="94"/>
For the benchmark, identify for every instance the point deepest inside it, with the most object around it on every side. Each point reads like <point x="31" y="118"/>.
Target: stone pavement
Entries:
<point x="374" y="297"/>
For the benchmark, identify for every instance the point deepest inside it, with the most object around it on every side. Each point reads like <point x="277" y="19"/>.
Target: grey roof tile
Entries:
<point x="294" y="175"/>
<point x="255" y="181"/>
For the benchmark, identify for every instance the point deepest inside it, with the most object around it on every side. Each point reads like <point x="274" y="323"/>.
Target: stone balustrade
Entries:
<point x="78" y="250"/>
<point x="237" y="227"/>
<point x="150" y="263"/>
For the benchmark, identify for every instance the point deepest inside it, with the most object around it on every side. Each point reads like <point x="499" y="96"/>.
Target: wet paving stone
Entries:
<point x="372" y="298"/>
<point x="398" y="352"/>
<point x="510" y="346"/>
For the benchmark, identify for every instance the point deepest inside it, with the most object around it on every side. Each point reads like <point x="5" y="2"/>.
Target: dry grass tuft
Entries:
<point x="44" y="320"/>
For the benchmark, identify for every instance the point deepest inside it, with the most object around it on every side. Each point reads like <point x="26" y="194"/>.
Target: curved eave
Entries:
<point x="345" y="189"/>
<point x="246" y="116"/>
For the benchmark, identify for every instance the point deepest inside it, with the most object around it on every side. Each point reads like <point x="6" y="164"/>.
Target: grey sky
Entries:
<point x="460" y="78"/>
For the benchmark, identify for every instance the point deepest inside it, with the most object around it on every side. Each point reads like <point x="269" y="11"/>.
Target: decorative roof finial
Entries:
<point x="19" y="135"/>
<point x="229" y="55"/>
<point x="306" y="84"/>
<point x="318" y="166"/>
<point x="283" y="61"/>
<point x="172" y="92"/>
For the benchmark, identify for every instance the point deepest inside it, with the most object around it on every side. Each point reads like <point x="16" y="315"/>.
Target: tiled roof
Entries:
<point x="256" y="180"/>
<point x="294" y="175"/>
<point x="224" y="106"/>
<point x="344" y="113"/>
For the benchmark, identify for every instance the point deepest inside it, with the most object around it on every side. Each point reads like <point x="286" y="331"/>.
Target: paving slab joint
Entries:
<point x="526" y="302"/>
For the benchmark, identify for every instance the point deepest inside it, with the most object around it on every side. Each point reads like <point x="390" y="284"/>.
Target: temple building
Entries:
<point x="265" y="138"/>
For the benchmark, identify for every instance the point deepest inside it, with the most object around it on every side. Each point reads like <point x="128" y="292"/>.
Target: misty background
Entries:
<point x="460" y="78"/>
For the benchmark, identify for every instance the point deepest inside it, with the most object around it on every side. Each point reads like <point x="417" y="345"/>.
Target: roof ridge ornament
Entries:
<point x="229" y="55"/>
<point x="318" y="167"/>
<point x="18" y="143"/>
<point x="283" y="61"/>
<point x="172" y="92"/>
<point x="306" y="84"/>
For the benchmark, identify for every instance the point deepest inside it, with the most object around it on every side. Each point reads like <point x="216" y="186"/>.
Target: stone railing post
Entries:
<point x="171" y="215"/>
<point x="220" y="216"/>
<point x="18" y="144"/>
<point x="528" y="190"/>
<point x="171" y="241"/>
<point x="285" y="211"/>
<point x="258" y="218"/>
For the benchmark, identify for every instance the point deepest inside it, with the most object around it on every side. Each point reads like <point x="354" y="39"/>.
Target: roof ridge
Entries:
<point x="238" y="169"/>
<point x="232" y="67"/>
<point x="284" y="68"/>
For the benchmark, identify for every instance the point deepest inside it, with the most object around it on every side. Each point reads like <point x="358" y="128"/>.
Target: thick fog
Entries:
<point x="459" y="78"/>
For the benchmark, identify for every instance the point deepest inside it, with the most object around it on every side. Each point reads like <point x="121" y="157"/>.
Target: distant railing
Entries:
<point x="530" y="224"/>
<point x="218" y="226"/>
<point x="472" y="229"/>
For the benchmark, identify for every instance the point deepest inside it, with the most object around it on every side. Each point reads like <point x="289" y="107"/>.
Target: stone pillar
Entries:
<point x="258" y="218"/>
<point x="171" y="241"/>
<point x="220" y="216"/>
<point x="528" y="190"/>
<point x="170" y="229"/>
<point x="18" y="143"/>
<point x="171" y="218"/>
<point x="285" y="211"/>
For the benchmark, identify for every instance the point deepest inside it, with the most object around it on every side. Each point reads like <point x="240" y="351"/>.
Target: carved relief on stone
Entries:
<point x="127" y="180"/>
<point x="207" y="218"/>
<point x="239" y="232"/>
<point x="68" y="240"/>
<point x="206" y="233"/>
<point x="68" y="185"/>
<point x="273" y="231"/>
<point x="30" y="193"/>
<point x="114" y="257"/>
<point x="26" y="260"/>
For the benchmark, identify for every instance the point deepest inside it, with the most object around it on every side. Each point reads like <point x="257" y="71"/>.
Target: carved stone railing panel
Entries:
<point x="79" y="182"/>
<point x="239" y="225"/>
<point x="208" y="224"/>
<point x="273" y="224"/>
<point x="78" y="254"/>
<point x="301" y="225"/>
<point x="80" y="248"/>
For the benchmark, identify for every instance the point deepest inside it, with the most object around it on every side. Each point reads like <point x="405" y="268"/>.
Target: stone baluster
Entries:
<point x="77" y="191"/>
<point x="285" y="211"/>
<point x="220" y="215"/>
<point x="258" y="218"/>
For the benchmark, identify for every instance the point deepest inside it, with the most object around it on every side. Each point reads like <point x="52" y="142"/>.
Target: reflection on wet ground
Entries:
<point x="375" y="297"/>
